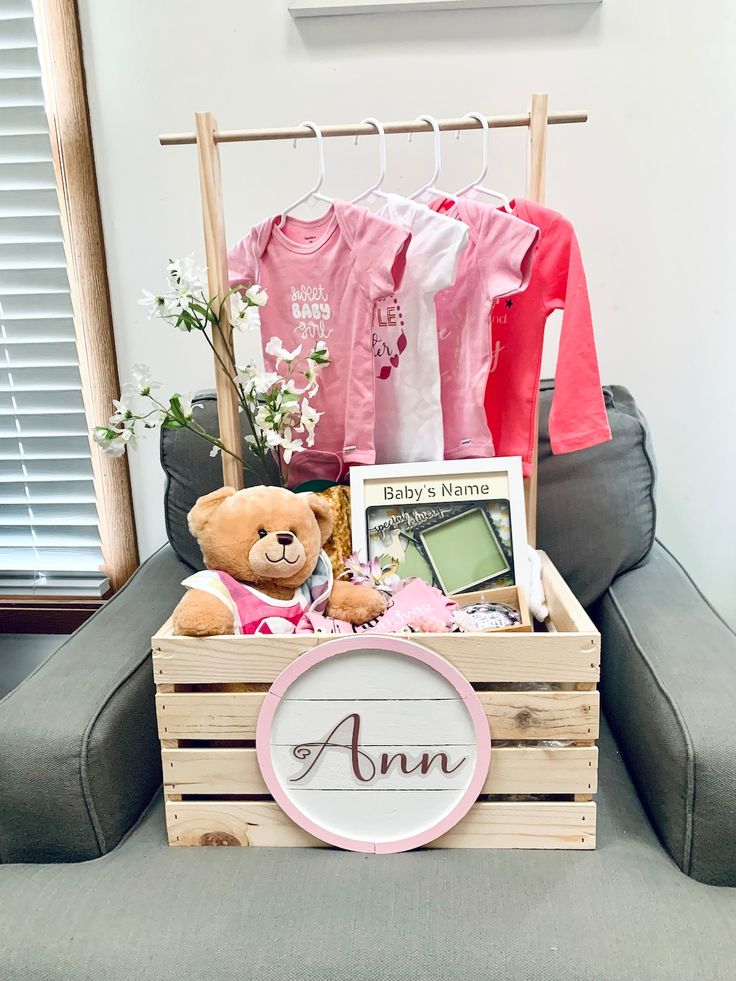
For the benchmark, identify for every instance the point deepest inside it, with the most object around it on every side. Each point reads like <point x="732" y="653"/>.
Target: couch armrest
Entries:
<point x="79" y="753"/>
<point x="668" y="679"/>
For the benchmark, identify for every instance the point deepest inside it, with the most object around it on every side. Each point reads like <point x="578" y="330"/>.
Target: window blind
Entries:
<point x="49" y="536"/>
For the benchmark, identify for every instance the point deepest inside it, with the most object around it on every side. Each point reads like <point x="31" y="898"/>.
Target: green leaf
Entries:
<point x="176" y="410"/>
<point x="202" y="311"/>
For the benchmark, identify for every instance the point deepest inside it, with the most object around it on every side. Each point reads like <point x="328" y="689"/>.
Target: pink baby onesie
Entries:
<point x="323" y="278"/>
<point x="577" y="419"/>
<point x="496" y="263"/>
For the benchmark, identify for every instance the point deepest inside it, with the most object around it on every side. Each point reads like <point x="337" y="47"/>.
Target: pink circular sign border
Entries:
<point x="395" y="645"/>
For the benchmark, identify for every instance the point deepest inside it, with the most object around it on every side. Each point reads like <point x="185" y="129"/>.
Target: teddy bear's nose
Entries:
<point x="284" y="538"/>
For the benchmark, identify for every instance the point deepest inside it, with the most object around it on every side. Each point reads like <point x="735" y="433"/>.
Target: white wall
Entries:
<point x="648" y="183"/>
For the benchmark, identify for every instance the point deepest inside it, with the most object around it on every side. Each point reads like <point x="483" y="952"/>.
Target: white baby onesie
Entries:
<point x="408" y="417"/>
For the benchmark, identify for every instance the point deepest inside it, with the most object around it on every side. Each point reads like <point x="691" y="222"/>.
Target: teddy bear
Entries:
<point x="265" y="566"/>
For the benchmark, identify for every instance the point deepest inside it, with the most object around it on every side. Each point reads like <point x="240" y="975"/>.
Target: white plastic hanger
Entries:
<point x="375" y="189"/>
<point x="477" y="184"/>
<point x="313" y="193"/>
<point x="431" y="186"/>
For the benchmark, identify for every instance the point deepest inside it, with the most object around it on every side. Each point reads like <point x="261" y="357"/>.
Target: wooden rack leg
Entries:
<point x="537" y="172"/>
<point x="215" y="247"/>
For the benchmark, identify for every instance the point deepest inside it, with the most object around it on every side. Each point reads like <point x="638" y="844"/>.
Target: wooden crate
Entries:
<point x="535" y="688"/>
<point x="513" y="595"/>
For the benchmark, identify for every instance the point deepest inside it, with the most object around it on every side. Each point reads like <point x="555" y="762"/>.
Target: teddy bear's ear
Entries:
<point x="206" y="507"/>
<point x="323" y="514"/>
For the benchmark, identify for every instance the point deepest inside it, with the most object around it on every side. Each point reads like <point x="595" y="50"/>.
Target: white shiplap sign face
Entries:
<point x="373" y="744"/>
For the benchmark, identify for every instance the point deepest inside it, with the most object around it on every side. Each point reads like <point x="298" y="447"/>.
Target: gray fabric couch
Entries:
<point x="89" y="888"/>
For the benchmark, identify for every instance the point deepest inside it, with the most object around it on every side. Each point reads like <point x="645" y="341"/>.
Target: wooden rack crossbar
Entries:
<point x="365" y="129"/>
<point x="208" y="137"/>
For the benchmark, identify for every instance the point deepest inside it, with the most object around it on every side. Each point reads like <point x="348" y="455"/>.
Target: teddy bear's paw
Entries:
<point x="372" y="603"/>
<point x="355" y="604"/>
<point x="200" y="615"/>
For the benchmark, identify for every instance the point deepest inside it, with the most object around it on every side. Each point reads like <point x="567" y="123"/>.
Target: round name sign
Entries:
<point x="373" y="744"/>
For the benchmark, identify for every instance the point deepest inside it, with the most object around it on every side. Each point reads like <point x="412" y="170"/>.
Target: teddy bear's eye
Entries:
<point x="262" y="532"/>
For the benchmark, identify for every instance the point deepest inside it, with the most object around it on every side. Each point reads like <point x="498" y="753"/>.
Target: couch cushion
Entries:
<point x="79" y="752"/>
<point x="596" y="510"/>
<point x="153" y="913"/>
<point x="190" y="472"/>
<point x="596" y="507"/>
<point x="669" y="672"/>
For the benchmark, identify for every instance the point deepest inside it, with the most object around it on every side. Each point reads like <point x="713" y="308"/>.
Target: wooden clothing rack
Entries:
<point x="208" y="138"/>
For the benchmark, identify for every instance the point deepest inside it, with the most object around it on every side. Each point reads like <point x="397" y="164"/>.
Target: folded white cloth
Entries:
<point x="534" y="587"/>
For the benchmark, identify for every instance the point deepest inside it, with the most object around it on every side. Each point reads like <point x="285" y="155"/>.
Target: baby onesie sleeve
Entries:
<point x="437" y="244"/>
<point x="244" y="258"/>
<point x="379" y="251"/>
<point x="578" y="417"/>
<point x="505" y="250"/>
<point x="241" y="262"/>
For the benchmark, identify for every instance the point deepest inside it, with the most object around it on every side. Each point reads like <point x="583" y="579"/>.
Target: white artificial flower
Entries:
<point x="263" y="418"/>
<point x="141" y="406"/>
<point x="290" y="356"/>
<point x="136" y="402"/>
<point x="277" y="350"/>
<point x="215" y="451"/>
<point x="246" y="383"/>
<point x="122" y="412"/>
<point x="112" y="441"/>
<point x="242" y="314"/>
<point x="180" y="304"/>
<point x="185" y="401"/>
<point x="309" y="416"/>
<point x="264" y="380"/>
<point x="157" y="304"/>
<point x="290" y="446"/>
<point x="320" y="355"/>
<point x="309" y="419"/>
<point x="272" y="438"/>
<point x="143" y="379"/>
<point x="257" y="295"/>
<point x="154" y="416"/>
<point x="102" y="435"/>
<point x="245" y="376"/>
<point x="274" y="347"/>
<point x="184" y="277"/>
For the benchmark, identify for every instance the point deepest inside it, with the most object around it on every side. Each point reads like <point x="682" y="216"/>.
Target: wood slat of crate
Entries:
<point x="511" y="714"/>
<point x="496" y="657"/>
<point x="568" y="656"/>
<point x="499" y="824"/>
<point x="536" y="770"/>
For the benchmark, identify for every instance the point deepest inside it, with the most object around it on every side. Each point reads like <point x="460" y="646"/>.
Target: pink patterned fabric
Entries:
<point x="255" y="609"/>
<point x="256" y="613"/>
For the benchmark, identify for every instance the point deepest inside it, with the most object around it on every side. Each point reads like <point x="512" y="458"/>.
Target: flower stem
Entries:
<point x="243" y="401"/>
<point x="200" y="431"/>
<point x="239" y="394"/>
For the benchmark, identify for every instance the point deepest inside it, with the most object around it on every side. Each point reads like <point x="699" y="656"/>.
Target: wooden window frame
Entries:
<point x="62" y="68"/>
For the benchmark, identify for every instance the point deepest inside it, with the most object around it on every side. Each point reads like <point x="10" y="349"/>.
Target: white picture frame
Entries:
<point x="447" y="482"/>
